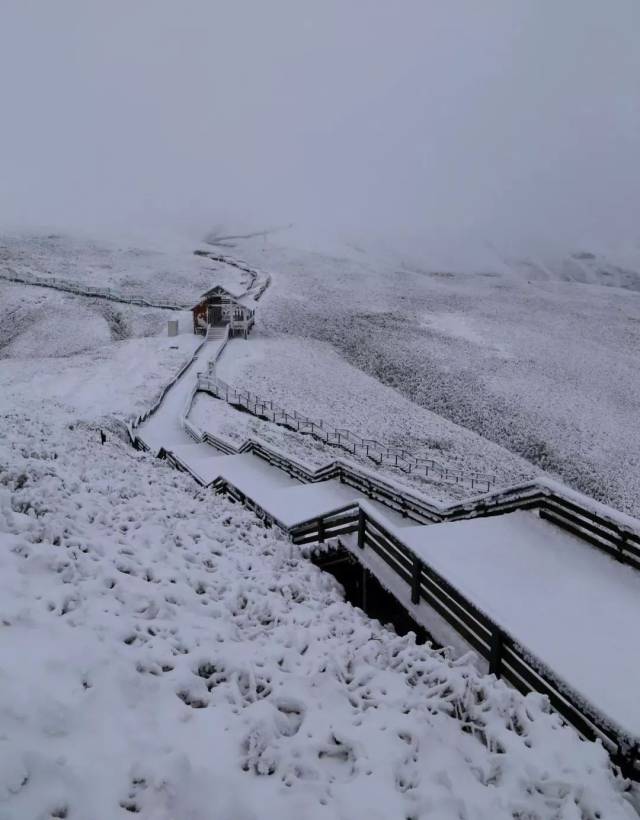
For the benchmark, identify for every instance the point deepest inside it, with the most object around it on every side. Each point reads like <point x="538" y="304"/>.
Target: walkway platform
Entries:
<point x="286" y="499"/>
<point x="570" y="604"/>
<point x="163" y="428"/>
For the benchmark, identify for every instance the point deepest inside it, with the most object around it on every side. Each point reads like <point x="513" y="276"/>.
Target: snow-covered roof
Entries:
<point x="218" y="290"/>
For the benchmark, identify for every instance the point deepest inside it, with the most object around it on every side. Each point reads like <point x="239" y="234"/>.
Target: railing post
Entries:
<point x="416" y="572"/>
<point x="626" y="758"/>
<point x="495" y="656"/>
<point x="320" y="531"/>
<point x="622" y="543"/>
<point x="361" y="528"/>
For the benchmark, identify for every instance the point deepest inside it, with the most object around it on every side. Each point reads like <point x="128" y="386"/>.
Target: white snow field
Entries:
<point x="312" y="378"/>
<point x="538" y="356"/>
<point x="162" y="269"/>
<point x="163" y="655"/>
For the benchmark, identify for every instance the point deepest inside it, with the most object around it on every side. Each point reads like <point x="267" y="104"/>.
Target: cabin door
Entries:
<point x="215" y="315"/>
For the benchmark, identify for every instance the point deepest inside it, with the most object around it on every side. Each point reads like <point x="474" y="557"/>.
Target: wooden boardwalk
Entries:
<point x="542" y="582"/>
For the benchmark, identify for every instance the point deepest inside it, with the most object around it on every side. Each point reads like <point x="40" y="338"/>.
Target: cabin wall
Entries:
<point x="239" y="317"/>
<point x="199" y="315"/>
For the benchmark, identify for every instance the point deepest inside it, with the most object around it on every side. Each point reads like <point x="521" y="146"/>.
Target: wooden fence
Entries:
<point x="381" y="454"/>
<point x="601" y="527"/>
<point x="507" y="658"/>
<point x="615" y="534"/>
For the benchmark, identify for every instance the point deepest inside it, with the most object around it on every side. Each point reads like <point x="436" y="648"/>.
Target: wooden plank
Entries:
<point x="404" y="559"/>
<point x="387" y="558"/>
<point x="588" y="522"/>
<point x="583" y="511"/>
<point x="581" y="533"/>
<point x="470" y="636"/>
<point x="388" y="536"/>
<point x="301" y="529"/>
<point x="460" y="608"/>
<point x="525" y="677"/>
<point x="341" y="529"/>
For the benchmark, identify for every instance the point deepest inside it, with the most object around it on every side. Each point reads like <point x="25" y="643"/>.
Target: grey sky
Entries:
<point x="503" y="119"/>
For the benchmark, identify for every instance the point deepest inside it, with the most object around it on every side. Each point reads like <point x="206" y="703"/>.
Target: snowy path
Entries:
<point x="163" y="428"/>
<point x="287" y="500"/>
<point x="571" y="605"/>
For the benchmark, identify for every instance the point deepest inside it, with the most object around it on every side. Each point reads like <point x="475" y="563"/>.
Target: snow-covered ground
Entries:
<point x="165" y="655"/>
<point x="540" y="357"/>
<point x="161" y="653"/>
<point x="311" y="377"/>
<point x="161" y="269"/>
<point x="89" y="375"/>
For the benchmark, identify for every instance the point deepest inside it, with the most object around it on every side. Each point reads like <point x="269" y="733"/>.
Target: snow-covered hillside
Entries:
<point x="163" y="655"/>
<point x="532" y="355"/>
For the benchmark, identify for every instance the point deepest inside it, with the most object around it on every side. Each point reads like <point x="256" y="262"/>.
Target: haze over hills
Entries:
<point x="416" y="228"/>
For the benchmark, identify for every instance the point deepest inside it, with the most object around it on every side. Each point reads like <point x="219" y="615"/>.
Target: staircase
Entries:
<point x="216" y="332"/>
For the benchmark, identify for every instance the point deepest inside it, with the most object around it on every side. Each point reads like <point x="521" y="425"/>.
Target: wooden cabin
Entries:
<point x="217" y="308"/>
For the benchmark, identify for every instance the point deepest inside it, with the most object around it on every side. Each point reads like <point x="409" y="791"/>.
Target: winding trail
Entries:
<point x="86" y="290"/>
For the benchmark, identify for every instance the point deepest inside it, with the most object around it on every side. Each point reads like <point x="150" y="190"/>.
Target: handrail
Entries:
<point x="600" y="526"/>
<point x="380" y="453"/>
<point x="507" y="657"/>
<point x="616" y="534"/>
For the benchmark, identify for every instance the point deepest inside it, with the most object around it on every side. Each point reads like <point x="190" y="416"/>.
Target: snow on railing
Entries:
<point x="508" y="658"/>
<point x="381" y="454"/>
<point x="610" y="531"/>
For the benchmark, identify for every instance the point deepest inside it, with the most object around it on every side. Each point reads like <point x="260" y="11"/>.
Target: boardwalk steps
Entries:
<point x="361" y="527"/>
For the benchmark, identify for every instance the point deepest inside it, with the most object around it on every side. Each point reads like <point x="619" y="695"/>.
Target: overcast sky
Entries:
<point x="488" y="119"/>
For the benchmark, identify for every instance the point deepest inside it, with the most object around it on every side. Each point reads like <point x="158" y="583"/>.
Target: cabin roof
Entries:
<point x="218" y="290"/>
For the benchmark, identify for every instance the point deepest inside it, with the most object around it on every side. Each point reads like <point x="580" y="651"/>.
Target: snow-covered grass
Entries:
<point x="166" y="655"/>
<point x="536" y="356"/>
<point x="165" y="269"/>
<point x="310" y="377"/>
<point x="61" y="350"/>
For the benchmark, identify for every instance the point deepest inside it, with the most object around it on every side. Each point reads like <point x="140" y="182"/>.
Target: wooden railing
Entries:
<point x="380" y="454"/>
<point x="508" y="659"/>
<point x="134" y="423"/>
<point x="616" y="534"/>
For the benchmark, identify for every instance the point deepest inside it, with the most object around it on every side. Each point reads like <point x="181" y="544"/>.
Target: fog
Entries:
<point x="510" y="121"/>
